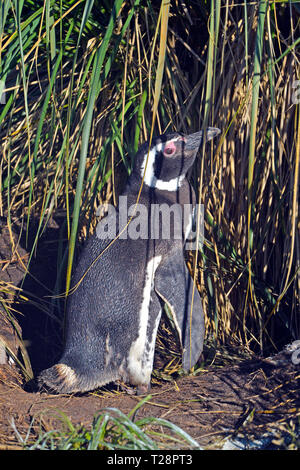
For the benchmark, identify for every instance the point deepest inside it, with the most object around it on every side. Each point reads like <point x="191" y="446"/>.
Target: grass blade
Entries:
<point x="252" y="142"/>
<point x="93" y="93"/>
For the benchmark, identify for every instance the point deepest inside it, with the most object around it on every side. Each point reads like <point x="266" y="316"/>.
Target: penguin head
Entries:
<point x="165" y="165"/>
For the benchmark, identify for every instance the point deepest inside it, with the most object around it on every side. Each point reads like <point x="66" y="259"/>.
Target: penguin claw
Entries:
<point x="143" y="389"/>
<point x="125" y="388"/>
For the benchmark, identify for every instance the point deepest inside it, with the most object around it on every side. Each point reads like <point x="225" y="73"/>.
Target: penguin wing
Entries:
<point x="174" y="285"/>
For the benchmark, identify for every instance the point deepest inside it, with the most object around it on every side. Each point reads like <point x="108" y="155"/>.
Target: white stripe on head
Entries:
<point x="150" y="178"/>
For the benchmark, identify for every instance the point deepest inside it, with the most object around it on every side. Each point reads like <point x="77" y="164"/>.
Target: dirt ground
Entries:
<point x="253" y="395"/>
<point x="214" y="404"/>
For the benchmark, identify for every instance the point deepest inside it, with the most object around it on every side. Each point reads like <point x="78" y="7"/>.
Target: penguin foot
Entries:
<point x="59" y="378"/>
<point x="143" y="389"/>
<point x="125" y="388"/>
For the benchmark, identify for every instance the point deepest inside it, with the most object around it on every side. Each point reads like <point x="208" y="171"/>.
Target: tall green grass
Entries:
<point x="81" y="83"/>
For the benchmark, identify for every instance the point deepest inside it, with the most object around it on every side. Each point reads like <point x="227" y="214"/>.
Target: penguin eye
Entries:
<point x="170" y="149"/>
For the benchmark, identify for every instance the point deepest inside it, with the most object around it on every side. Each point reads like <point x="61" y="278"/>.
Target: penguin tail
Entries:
<point x="60" y="378"/>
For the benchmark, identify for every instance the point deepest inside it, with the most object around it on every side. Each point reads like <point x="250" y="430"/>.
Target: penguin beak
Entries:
<point x="193" y="141"/>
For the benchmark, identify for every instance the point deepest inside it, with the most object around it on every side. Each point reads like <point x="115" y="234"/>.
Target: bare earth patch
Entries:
<point x="214" y="404"/>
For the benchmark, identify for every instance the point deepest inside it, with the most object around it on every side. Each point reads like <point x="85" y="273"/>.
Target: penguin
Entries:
<point x="129" y="269"/>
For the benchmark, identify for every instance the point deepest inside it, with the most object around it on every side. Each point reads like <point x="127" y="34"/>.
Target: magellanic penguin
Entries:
<point x="114" y="310"/>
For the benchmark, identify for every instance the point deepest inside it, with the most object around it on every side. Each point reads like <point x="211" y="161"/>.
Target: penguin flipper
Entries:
<point x="174" y="285"/>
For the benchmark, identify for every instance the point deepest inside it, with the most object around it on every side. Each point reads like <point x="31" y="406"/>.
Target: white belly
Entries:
<point x="140" y="361"/>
